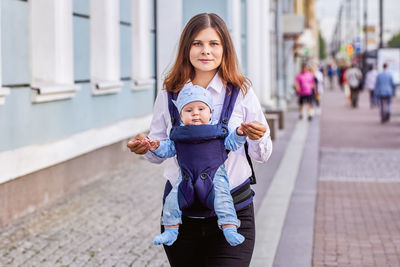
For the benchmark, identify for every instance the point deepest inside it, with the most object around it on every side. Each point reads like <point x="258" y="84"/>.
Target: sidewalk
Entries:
<point x="340" y="208"/>
<point x="109" y="223"/>
<point x="357" y="214"/>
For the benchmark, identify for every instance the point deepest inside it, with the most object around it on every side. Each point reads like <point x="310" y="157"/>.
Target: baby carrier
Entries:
<point x="200" y="152"/>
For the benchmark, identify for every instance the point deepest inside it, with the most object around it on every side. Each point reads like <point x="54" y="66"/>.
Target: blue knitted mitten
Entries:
<point x="233" y="237"/>
<point x="168" y="237"/>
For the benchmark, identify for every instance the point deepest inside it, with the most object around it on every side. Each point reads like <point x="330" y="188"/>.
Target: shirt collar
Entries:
<point x="216" y="84"/>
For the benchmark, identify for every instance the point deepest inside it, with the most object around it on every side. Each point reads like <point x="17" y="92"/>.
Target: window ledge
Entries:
<point x="52" y="92"/>
<point x="22" y="161"/>
<point x="104" y="88"/>
<point x="142" y="84"/>
<point x="3" y="92"/>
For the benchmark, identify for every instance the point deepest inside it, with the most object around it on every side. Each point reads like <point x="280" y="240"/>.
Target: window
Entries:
<point x="105" y="47"/>
<point x="141" y="34"/>
<point x="51" y="50"/>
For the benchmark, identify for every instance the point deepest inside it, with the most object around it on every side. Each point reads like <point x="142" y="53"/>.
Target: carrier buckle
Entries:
<point x="203" y="176"/>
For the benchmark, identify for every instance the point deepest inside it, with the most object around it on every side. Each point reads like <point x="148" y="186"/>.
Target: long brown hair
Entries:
<point x="183" y="70"/>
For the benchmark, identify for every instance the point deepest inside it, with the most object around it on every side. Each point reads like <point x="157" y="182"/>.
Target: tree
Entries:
<point x="322" y="46"/>
<point x="394" y="41"/>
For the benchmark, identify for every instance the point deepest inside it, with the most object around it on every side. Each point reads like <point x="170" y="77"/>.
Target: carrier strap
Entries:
<point x="229" y="103"/>
<point x="253" y="175"/>
<point x="173" y="111"/>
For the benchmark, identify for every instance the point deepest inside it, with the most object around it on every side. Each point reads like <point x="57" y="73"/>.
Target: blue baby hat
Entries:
<point x="191" y="93"/>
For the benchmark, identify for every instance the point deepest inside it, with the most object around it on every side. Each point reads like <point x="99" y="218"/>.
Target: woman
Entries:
<point x="206" y="57"/>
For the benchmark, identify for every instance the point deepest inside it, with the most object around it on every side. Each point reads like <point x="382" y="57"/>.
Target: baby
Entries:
<point x="194" y="104"/>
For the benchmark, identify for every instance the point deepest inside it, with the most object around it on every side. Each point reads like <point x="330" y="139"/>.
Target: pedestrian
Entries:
<point x="331" y="74"/>
<point x="369" y="84"/>
<point x="206" y="57"/>
<point x="305" y="88"/>
<point x="345" y="85"/>
<point x="384" y="90"/>
<point x="319" y="83"/>
<point x="341" y="73"/>
<point x="353" y="77"/>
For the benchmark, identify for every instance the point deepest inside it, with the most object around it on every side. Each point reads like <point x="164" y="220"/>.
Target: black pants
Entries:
<point x="201" y="243"/>
<point x="354" y="96"/>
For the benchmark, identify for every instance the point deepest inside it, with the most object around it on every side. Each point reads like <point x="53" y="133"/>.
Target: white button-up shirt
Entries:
<point x="247" y="109"/>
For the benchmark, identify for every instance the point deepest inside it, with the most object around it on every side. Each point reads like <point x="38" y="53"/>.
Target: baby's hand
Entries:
<point x="154" y="144"/>
<point x="240" y="131"/>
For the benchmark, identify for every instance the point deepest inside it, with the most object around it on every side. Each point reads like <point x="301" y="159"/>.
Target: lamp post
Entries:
<point x="380" y="23"/>
<point x="365" y="26"/>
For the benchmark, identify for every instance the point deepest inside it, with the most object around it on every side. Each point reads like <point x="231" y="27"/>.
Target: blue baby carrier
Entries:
<point x="200" y="152"/>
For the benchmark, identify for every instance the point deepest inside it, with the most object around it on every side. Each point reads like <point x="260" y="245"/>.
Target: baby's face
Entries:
<point x="196" y="113"/>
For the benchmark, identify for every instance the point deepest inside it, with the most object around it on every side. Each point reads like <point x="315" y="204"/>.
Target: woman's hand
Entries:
<point x="254" y="130"/>
<point x="139" y="144"/>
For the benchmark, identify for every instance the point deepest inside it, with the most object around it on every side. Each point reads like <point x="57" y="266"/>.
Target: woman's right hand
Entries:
<point x="139" y="144"/>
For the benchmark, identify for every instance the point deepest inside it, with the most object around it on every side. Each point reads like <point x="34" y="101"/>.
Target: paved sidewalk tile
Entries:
<point x="357" y="224"/>
<point x="109" y="223"/>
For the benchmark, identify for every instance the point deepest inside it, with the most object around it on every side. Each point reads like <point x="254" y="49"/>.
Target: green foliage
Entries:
<point x="395" y="41"/>
<point x="322" y="46"/>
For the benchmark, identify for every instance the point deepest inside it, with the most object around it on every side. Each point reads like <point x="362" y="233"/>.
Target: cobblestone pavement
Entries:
<point x="357" y="221"/>
<point x="359" y="164"/>
<point x="110" y="223"/>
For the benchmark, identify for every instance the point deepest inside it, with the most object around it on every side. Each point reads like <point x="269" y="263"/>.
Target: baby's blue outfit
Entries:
<point x="223" y="203"/>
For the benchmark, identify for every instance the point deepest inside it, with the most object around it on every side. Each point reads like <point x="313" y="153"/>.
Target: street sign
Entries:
<point x="349" y="49"/>
<point x="390" y="56"/>
<point x="370" y="29"/>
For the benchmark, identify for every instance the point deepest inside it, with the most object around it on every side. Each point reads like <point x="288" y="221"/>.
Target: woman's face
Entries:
<point x="206" y="51"/>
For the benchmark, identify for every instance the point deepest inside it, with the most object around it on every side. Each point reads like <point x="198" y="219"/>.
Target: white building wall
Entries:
<point x="105" y="64"/>
<point x="265" y="54"/>
<point x="258" y="56"/>
<point x="3" y="91"/>
<point x="236" y="27"/>
<point x="141" y="54"/>
<point x="51" y="50"/>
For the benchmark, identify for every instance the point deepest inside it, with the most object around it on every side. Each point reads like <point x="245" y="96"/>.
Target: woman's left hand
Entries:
<point x="254" y="130"/>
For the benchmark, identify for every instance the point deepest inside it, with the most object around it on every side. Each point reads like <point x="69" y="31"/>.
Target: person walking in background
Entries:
<point x="341" y="74"/>
<point x="353" y="77"/>
<point x="369" y="84"/>
<point x="331" y="74"/>
<point x="305" y="86"/>
<point x="384" y="90"/>
<point x="319" y="83"/>
<point x="345" y="85"/>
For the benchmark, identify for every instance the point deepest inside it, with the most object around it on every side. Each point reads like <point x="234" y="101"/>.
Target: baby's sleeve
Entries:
<point x="234" y="141"/>
<point x="166" y="149"/>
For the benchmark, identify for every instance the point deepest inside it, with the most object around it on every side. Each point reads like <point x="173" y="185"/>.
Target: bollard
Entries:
<point x="272" y="120"/>
<point x="281" y="117"/>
